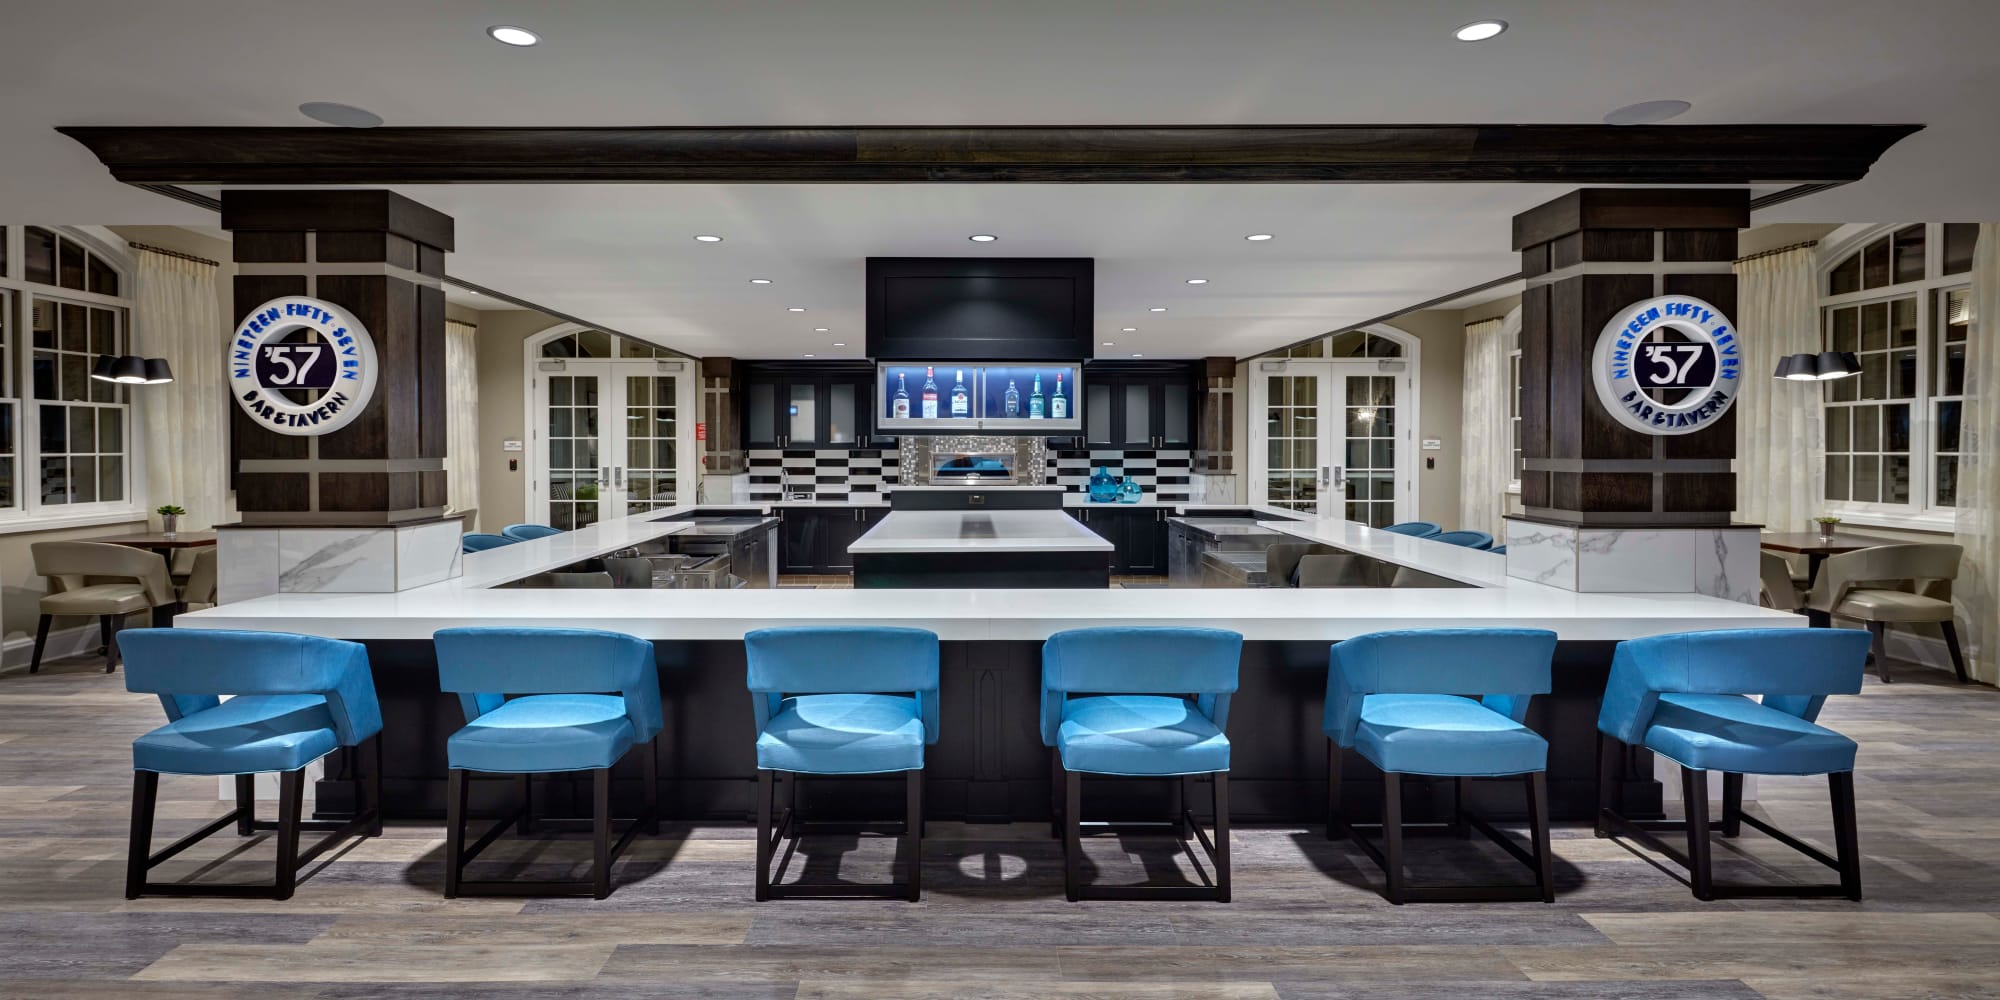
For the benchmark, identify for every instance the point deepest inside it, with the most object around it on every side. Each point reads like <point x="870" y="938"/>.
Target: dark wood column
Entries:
<point x="1586" y="257"/>
<point x="380" y="256"/>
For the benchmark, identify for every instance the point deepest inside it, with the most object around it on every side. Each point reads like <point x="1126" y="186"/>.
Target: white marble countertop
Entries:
<point x="968" y="531"/>
<point x="1259" y="614"/>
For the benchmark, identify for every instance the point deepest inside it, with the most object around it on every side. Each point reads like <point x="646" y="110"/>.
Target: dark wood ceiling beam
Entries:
<point x="1569" y="154"/>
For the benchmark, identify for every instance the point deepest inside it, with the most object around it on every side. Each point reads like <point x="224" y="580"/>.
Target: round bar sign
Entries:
<point x="1668" y="365"/>
<point x="265" y="361"/>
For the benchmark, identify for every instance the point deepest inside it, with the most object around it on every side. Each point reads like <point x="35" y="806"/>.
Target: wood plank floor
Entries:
<point x="1307" y="923"/>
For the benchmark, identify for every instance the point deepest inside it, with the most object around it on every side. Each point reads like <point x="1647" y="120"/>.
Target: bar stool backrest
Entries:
<point x="74" y="565"/>
<point x="190" y="668"/>
<point x="1469" y="539"/>
<point x="485" y="665"/>
<point x="1131" y="660"/>
<point x="1793" y="668"/>
<point x="1418" y="529"/>
<point x="523" y="532"/>
<point x="843" y="659"/>
<point x="1505" y="667"/>
<point x="474" y="541"/>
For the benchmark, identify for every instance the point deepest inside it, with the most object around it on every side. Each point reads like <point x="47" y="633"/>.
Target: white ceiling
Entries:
<point x="623" y="256"/>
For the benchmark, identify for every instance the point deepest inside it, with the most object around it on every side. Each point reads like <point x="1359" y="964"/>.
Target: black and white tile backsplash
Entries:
<point x="835" y="474"/>
<point x="1165" y="473"/>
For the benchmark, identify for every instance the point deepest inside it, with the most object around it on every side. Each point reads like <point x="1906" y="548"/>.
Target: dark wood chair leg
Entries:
<point x="1607" y="782"/>
<point x="651" y="768"/>
<point x="1461" y="789"/>
<point x="1335" y="762"/>
<point x="1732" y="804"/>
<point x="1878" y="632"/>
<point x="600" y="832"/>
<point x="1392" y="834"/>
<point x="1694" y="800"/>
<point x="111" y="627"/>
<point x="1846" y="838"/>
<point x="913" y="820"/>
<point x="145" y="793"/>
<point x="1221" y="792"/>
<point x="1055" y="794"/>
<point x="454" y="831"/>
<point x="375" y="787"/>
<point x="1950" y="630"/>
<point x="524" y="791"/>
<point x="766" y="792"/>
<point x="246" y="804"/>
<point x="1072" y="835"/>
<point x="41" y="642"/>
<point x="291" y="801"/>
<point x="1538" y="831"/>
<point x="1178" y="801"/>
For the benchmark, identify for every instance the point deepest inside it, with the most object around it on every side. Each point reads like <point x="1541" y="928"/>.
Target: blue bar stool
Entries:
<point x="1397" y="699"/>
<point x="538" y="701"/>
<point x="296" y="698"/>
<point x="1141" y="702"/>
<point x="524" y="532"/>
<point x="1416" y="529"/>
<point x="1498" y="550"/>
<point x="1684" y="696"/>
<point x="1469" y="539"/>
<point x="474" y="541"/>
<point x="841" y="701"/>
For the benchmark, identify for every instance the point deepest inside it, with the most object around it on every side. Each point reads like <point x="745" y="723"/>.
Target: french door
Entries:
<point x="1338" y="439"/>
<point x="610" y="439"/>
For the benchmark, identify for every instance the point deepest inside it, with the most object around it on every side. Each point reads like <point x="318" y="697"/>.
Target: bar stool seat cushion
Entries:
<point x="544" y="733"/>
<point x="97" y="599"/>
<point x="843" y="734"/>
<point x="1445" y="734"/>
<point x="1892" y="606"/>
<point x="248" y="734"/>
<point x="1139" y="734"/>
<point x="1729" y="732"/>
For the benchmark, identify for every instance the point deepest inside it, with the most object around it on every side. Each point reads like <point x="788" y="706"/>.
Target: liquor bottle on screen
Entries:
<point x="930" y="394"/>
<point x="1058" y="406"/>
<point x="1013" y="399"/>
<point x="1035" y="399"/>
<point x="961" y="404"/>
<point x="900" y="408"/>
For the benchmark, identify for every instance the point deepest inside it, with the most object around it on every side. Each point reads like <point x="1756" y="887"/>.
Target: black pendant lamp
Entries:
<point x="1798" y="368"/>
<point x="131" y="369"/>
<point x="1823" y="367"/>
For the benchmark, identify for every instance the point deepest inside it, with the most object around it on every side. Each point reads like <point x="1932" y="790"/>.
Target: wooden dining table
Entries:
<point x="165" y="544"/>
<point x="1816" y="547"/>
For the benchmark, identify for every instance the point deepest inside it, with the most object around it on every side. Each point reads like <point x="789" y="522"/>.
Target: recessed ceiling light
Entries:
<point x="1158" y="309"/>
<point x="343" y="115"/>
<point x="1197" y="281"/>
<point x="1258" y="237"/>
<point x="507" y="34"/>
<point x="704" y="238"/>
<point x="838" y="344"/>
<point x="760" y="281"/>
<point x="1647" y="112"/>
<point x="1479" y="31"/>
<point x="982" y="237"/>
<point x="796" y="309"/>
<point x="1128" y="329"/>
<point x="1109" y="344"/>
<point x="819" y="329"/>
<point x="1138" y="355"/>
<point x="809" y="355"/>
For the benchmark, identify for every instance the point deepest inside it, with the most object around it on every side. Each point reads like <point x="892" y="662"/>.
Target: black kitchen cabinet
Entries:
<point x="815" y="539"/>
<point x="798" y="540"/>
<point x="801" y="408"/>
<point x="1138" y="533"/>
<point x="1155" y="407"/>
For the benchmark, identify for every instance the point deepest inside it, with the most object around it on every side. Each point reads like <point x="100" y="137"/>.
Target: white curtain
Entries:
<point x="184" y="423"/>
<point x="1780" y="481"/>
<point x="1482" y="413"/>
<point x="461" y="456"/>
<point x="1977" y="590"/>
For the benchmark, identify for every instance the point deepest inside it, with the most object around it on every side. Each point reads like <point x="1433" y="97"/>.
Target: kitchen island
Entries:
<point x="1006" y="549"/>
<point x="989" y="764"/>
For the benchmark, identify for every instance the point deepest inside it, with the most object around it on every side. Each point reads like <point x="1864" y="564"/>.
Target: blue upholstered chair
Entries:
<point x="1469" y="539"/>
<point x="1498" y="550"/>
<point x="544" y="701"/>
<point x="1687" y="697"/>
<point x="473" y="541"/>
<point x="524" y="532"/>
<point x="1416" y="529"/>
<point x="1140" y="702"/>
<point x="1398" y="699"/>
<point x="295" y="699"/>
<point x="841" y="701"/>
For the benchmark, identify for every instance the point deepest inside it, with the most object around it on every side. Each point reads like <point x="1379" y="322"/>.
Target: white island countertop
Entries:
<point x="986" y="614"/>
<point x="906" y="531"/>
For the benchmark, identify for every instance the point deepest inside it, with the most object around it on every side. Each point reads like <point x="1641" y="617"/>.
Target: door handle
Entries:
<point x="604" y="474"/>
<point x="619" y="473"/>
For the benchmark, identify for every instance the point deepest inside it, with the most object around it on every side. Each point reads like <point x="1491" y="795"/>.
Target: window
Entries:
<point x="598" y="344"/>
<point x="1352" y="344"/>
<point x="1514" y="463"/>
<point x="64" y="436"/>
<point x="1899" y="302"/>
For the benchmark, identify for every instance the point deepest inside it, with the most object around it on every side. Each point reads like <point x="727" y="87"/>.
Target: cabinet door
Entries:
<point x="1108" y="523"/>
<point x="1178" y="410"/>
<point x="760" y="414"/>
<point x="838" y="530"/>
<point x="845" y="405"/>
<point x="1100" y="419"/>
<point x="1146" y="543"/>
<point x="1136" y="401"/>
<point x="798" y="540"/>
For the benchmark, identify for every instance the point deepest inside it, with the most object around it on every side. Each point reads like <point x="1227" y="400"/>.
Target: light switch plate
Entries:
<point x="1433" y="444"/>
<point x="511" y="444"/>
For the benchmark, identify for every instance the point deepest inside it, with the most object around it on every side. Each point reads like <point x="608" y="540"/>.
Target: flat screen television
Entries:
<point x="979" y="308"/>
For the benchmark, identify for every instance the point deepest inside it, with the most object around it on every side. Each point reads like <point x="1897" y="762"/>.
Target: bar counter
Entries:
<point x="989" y="765"/>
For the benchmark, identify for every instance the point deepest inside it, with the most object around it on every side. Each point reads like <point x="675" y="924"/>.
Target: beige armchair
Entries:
<point x="1892" y="584"/>
<point x="92" y="579"/>
<point x="1281" y="561"/>
<point x="1337" y="570"/>
<point x="201" y="582"/>
<point x="1781" y="589"/>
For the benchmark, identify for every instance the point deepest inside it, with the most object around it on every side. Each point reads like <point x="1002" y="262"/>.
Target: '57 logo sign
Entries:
<point x="295" y="366"/>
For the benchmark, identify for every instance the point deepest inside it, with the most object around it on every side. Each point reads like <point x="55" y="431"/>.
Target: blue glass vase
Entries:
<point x="1129" y="491"/>
<point x="1103" y="488"/>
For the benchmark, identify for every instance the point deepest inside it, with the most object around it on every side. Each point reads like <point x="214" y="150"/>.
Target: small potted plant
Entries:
<point x="1827" y="526"/>
<point x="170" y="519"/>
